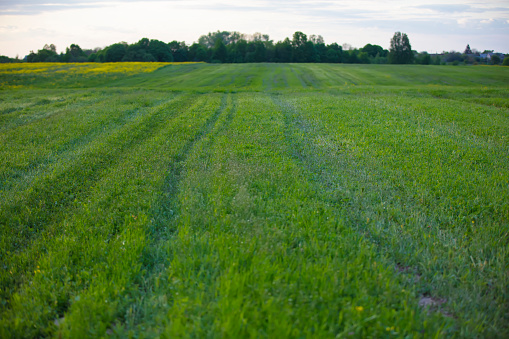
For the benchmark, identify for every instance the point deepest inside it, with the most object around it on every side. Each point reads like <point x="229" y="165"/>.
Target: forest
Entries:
<point x="235" y="47"/>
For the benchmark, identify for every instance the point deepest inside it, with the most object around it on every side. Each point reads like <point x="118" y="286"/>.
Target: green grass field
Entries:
<point x="254" y="200"/>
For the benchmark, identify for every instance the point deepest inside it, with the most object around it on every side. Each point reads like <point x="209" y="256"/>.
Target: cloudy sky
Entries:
<point x="446" y="25"/>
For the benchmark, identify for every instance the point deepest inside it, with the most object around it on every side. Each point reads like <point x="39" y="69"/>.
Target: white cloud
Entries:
<point x="99" y="23"/>
<point x="462" y="22"/>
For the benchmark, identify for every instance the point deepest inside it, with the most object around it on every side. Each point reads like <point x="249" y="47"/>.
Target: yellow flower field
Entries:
<point x="28" y="75"/>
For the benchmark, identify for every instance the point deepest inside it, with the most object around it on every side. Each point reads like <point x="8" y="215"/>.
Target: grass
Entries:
<point x="256" y="200"/>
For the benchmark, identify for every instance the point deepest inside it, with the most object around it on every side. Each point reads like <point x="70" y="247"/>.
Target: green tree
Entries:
<point x="373" y="50"/>
<point x="351" y="56"/>
<point x="259" y="51"/>
<point x="209" y="40"/>
<point x="6" y="60"/>
<point x="321" y="51"/>
<point x="300" y="50"/>
<point x="139" y="51"/>
<point x="179" y="51"/>
<point x="400" y="51"/>
<point x="115" y="52"/>
<point x="310" y="52"/>
<point x="506" y="61"/>
<point x="332" y="56"/>
<point x="364" y="58"/>
<point x="197" y="52"/>
<point x="74" y="53"/>
<point x="237" y="51"/>
<point x="495" y="59"/>
<point x="219" y="52"/>
<point x="283" y="51"/>
<point x="423" y="58"/>
<point x="334" y="53"/>
<point x="50" y="47"/>
<point x="160" y="51"/>
<point x="47" y="54"/>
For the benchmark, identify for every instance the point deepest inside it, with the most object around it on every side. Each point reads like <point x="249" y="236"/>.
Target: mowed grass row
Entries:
<point x="312" y="77"/>
<point x="427" y="184"/>
<point x="202" y="78"/>
<point x="50" y="171"/>
<point x="262" y="200"/>
<point x="58" y="233"/>
<point x="258" y="252"/>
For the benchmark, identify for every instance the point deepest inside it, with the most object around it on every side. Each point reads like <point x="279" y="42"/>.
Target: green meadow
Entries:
<point x="254" y="200"/>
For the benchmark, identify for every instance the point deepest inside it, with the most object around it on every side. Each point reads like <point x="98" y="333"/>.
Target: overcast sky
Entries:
<point x="448" y="25"/>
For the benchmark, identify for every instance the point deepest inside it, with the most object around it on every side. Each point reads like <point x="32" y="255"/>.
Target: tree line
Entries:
<point x="234" y="47"/>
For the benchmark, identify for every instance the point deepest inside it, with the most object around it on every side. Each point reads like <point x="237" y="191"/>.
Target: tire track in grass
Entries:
<point x="309" y="76"/>
<point x="165" y="216"/>
<point x="22" y="226"/>
<point x="21" y="176"/>
<point x="278" y="263"/>
<point x="160" y="228"/>
<point x="91" y="159"/>
<point x="91" y="251"/>
<point x="10" y="110"/>
<point x="302" y="149"/>
<point x="339" y="72"/>
<point x="299" y="77"/>
<point x="166" y="211"/>
<point x="39" y="111"/>
<point x="279" y="77"/>
<point x="384" y="231"/>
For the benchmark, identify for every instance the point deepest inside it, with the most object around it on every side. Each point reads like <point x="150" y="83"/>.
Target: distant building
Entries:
<point x="487" y="56"/>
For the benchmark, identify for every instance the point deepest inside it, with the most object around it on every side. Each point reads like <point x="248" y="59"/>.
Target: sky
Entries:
<point x="447" y="25"/>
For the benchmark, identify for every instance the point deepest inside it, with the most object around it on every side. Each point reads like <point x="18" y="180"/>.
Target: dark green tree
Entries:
<point x="400" y="51"/>
<point x="139" y="51"/>
<point x="495" y="59"/>
<point x="179" y="51"/>
<point x="6" y="60"/>
<point x="219" y="53"/>
<point x="256" y="51"/>
<point x="300" y="51"/>
<point x="321" y="51"/>
<point x="373" y="50"/>
<point x="351" y="56"/>
<point x="506" y="61"/>
<point x="332" y="56"/>
<point x="160" y="51"/>
<point x="237" y="51"/>
<point x="311" y="55"/>
<point x="209" y="40"/>
<point x="423" y="58"/>
<point x="363" y="58"/>
<point x="74" y="53"/>
<point x="283" y="51"/>
<point x="50" y="47"/>
<point x="197" y="52"/>
<point x="32" y="57"/>
<point x="334" y="53"/>
<point x="115" y="52"/>
<point x="47" y="54"/>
